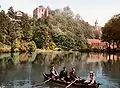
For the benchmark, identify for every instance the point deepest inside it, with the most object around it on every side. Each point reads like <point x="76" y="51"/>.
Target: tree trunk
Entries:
<point x="117" y="44"/>
<point x="113" y="45"/>
<point x="109" y="45"/>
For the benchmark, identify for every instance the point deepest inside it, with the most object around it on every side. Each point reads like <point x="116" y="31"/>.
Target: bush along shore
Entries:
<point x="24" y="47"/>
<point x="31" y="47"/>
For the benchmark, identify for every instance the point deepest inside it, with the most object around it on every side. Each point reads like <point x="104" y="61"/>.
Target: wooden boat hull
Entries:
<point x="74" y="85"/>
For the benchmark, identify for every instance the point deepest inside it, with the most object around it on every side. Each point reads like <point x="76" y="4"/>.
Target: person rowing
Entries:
<point x="63" y="74"/>
<point x="73" y="75"/>
<point x="53" y="73"/>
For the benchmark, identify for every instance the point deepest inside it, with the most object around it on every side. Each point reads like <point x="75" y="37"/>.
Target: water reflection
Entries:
<point x="24" y="70"/>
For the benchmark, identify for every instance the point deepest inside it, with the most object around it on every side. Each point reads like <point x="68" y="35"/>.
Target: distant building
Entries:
<point x="40" y="12"/>
<point x="96" y="44"/>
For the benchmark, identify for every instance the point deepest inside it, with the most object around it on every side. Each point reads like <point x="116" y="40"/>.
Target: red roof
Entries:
<point x="93" y="41"/>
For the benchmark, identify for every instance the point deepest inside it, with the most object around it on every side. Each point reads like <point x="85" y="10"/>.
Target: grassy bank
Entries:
<point x="5" y="49"/>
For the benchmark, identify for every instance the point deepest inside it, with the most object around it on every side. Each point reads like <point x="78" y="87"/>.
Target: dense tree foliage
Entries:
<point x="111" y="31"/>
<point x="61" y="29"/>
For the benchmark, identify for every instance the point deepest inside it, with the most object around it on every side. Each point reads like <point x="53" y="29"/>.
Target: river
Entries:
<point x="24" y="70"/>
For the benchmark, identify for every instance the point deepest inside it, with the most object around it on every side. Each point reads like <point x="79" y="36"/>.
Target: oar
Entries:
<point x="71" y="83"/>
<point x="41" y="83"/>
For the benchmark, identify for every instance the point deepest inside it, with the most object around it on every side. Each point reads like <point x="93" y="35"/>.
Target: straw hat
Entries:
<point x="91" y="72"/>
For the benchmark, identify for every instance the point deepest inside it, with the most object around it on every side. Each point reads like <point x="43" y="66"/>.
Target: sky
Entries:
<point x="89" y="10"/>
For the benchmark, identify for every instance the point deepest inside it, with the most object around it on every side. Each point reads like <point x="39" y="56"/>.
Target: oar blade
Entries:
<point x="36" y="85"/>
<point x="41" y="83"/>
<point x="71" y="83"/>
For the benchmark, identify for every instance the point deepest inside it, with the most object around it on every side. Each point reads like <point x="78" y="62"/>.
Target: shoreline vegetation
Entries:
<point x="61" y="30"/>
<point x="7" y="49"/>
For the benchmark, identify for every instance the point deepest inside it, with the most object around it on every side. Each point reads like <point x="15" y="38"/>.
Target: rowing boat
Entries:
<point x="78" y="84"/>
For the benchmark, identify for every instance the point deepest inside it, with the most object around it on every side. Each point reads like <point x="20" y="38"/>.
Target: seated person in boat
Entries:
<point x="53" y="73"/>
<point x="63" y="74"/>
<point x="92" y="78"/>
<point x="73" y="74"/>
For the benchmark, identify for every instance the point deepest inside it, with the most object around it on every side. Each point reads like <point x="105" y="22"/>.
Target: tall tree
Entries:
<point x="111" y="32"/>
<point x="26" y="27"/>
<point x="11" y="12"/>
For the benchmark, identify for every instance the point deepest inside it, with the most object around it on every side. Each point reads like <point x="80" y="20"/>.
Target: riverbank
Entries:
<point x="6" y="49"/>
<point x="100" y="50"/>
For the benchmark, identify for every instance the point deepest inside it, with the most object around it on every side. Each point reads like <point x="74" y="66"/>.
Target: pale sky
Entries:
<point x="89" y="10"/>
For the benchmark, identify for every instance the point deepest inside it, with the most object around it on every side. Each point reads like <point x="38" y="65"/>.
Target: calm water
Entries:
<point x="24" y="70"/>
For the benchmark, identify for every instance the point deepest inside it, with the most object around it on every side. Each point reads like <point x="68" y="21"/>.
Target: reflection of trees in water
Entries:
<point x="43" y="58"/>
<point x="90" y="61"/>
<point x="6" y="64"/>
<point x="112" y="66"/>
<point x="111" y="69"/>
<point x="59" y="58"/>
<point x="14" y="58"/>
<point x="68" y="59"/>
<point x="23" y="57"/>
<point x="27" y="57"/>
